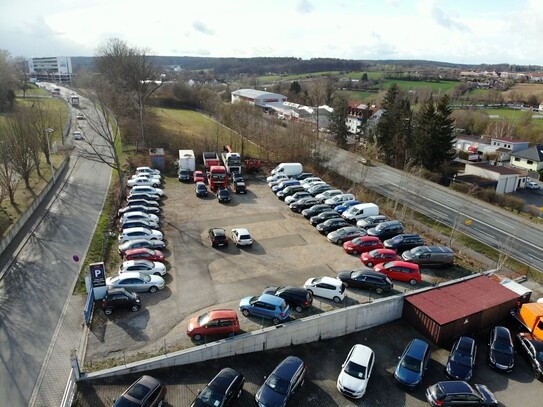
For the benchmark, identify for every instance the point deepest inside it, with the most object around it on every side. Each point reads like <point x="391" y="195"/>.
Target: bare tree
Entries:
<point x="501" y="129"/>
<point x="39" y="121"/>
<point x="8" y="176"/>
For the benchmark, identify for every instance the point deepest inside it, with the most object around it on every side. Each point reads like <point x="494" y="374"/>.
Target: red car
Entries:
<point x="401" y="271"/>
<point x="216" y="322"/>
<point x="378" y="256"/>
<point x="362" y="244"/>
<point x="198" y="176"/>
<point x="144" y="253"/>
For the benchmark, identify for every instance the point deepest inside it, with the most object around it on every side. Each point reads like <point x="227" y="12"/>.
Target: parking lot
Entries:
<point x="287" y="250"/>
<point x="323" y="360"/>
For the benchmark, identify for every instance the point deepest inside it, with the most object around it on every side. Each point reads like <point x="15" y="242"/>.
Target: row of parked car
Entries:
<point x="141" y="244"/>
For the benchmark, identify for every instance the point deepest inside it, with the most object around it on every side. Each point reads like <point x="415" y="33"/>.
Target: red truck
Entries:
<point x="211" y="159"/>
<point x="217" y="177"/>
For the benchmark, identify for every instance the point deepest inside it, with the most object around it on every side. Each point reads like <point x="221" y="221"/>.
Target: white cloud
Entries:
<point x="304" y="7"/>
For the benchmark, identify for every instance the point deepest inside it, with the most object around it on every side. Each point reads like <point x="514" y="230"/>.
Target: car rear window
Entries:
<point x="342" y="288"/>
<point x="283" y="306"/>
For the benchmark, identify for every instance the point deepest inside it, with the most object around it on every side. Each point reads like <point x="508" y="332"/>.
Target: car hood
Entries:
<point x="245" y="302"/>
<point x="350" y="382"/>
<point x="157" y="233"/>
<point x="193" y="324"/>
<point x="269" y="398"/>
<point x="406" y="376"/>
<point x="502" y="359"/>
<point x="458" y="371"/>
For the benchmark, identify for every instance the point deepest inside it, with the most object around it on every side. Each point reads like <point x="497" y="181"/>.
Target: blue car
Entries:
<point x="413" y="364"/>
<point x="266" y="306"/>
<point x="282" y="383"/>
<point x="346" y="205"/>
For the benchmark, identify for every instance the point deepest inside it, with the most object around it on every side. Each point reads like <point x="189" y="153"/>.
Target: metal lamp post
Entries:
<point x="48" y="133"/>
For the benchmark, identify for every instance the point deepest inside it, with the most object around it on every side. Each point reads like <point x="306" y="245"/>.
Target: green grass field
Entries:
<point x="34" y="90"/>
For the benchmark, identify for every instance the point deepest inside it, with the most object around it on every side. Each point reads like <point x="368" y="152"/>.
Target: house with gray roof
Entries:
<point x="530" y="159"/>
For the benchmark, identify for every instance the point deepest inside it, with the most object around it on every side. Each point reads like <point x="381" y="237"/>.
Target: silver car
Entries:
<point x="136" y="282"/>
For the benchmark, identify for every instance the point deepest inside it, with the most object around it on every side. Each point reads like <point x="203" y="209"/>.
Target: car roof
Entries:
<point x="417" y="348"/>
<point x="385" y="251"/>
<point x="406" y="264"/>
<point x="218" y="231"/>
<point x="241" y="231"/>
<point x="136" y="229"/>
<point x="271" y="299"/>
<point x="138" y="249"/>
<point x="200" y="183"/>
<point x="502" y="332"/>
<point x="361" y="354"/>
<point x="223" y="380"/>
<point x="222" y="313"/>
<point x="129" y="274"/>
<point x="288" y="367"/>
<point x="370" y="272"/>
<point x="331" y="280"/>
<point x="456" y="386"/>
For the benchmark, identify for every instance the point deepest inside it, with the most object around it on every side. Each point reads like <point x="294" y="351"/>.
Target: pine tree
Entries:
<point x="338" y="121"/>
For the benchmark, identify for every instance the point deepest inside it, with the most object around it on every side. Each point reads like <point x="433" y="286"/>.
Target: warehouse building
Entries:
<point x="462" y="308"/>
<point x="258" y="97"/>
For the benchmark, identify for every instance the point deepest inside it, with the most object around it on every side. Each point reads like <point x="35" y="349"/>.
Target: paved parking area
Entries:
<point x="323" y="361"/>
<point x="287" y="251"/>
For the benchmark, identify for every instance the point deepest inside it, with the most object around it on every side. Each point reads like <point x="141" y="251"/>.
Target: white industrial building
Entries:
<point x="51" y="69"/>
<point x="258" y="98"/>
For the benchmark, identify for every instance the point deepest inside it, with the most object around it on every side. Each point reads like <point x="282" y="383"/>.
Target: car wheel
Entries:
<point x="370" y="264"/>
<point x="379" y="291"/>
<point x="298" y="308"/>
<point x="246" y="312"/>
<point x="337" y="300"/>
<point x="108" y="311"/>
<point x="340" y="241"/>
<point x="413" y="282"/>
<point x="275" y="321"/>
<point x="135" y="308"/>
<point x="355" y="252"/>
<point x="197" y="337"/>
<point x="153" y="289"/>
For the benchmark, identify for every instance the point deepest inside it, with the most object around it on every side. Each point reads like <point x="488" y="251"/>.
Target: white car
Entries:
<point x="143" y="181"/>
<point x="147" y="170"/>
<point x="339" y="199"/>
<point x="140" y="233"/>
<point x="241" y="237"/>
<point x="356" y="371"/>
<point x="308" y="181"/>
<point x="78" y="135"/>
<point x="297" y="196"/>
<point x="327" y="287"/>
<point x="137" y="215"/>
<point x="141" y="175"/>
<point x="136" y="282"/>
<point x="144" y="267"/>
<point x="313" y="184"/>
<point x="140" y="189"/>
<point x="277" y="177"/>
<point x="328" y="194"/>
<point x="532" y="185"/>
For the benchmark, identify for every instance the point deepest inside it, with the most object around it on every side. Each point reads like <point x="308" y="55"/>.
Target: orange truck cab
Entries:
<point x="531" y="316"/>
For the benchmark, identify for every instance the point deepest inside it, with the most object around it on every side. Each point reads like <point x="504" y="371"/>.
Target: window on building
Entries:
<point x="530" y="162"/>
<point x="517" y="159"/>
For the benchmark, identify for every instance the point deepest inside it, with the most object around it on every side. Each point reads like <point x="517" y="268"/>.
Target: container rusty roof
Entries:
<point x="455" y="301"/>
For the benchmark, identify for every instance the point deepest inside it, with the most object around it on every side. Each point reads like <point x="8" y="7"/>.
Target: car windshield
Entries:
<point x="203" y="319"/>
<point x="461" y="359"/>
<point x="374" y="253"/>
<point x="355" y="370"/>
<point x="253" y="300"/>
<point x="411" y="363"/>
<point x="209" y="398"/>
<point x="357" y="273"/>
<point x="145" y="277"/>
<point x="277" y="384"/>
<point x="396" y="239"/>
<point x="145" y="263"/>
<point x="502" y="347"/>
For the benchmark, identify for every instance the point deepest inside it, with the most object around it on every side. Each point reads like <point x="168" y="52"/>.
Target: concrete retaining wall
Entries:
<point x="322" y="326"/>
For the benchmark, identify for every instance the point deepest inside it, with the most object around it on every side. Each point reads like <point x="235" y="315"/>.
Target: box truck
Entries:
<point x="288" y="169"/>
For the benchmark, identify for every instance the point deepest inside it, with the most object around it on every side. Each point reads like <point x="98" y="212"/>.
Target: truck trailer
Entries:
<point x="211" y="159"/>
<point x="187" y="165"/>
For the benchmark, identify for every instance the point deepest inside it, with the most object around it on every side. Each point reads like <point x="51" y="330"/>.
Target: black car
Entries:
<point x="218" y="237"/>
<point x="137" y="243"/>
<point x="236" y="177"/>
<point x="223" y="195"/>
<point x="318" y="189"/>
<point x="501" y="353"/>
<point x="404" y="241"/>
<point x="282" y="383"/>
<point x="183" y="175"/>
<point x="297" y="297"/>
<point x="240" y="187"/>
<point x="323" y="216"/>
<point x="200" y="189"/>
<point x="366" y="278"/>
<point x="146" y="391"/>
<point x="386" y="230"/>
<point x="461" y="359"/>
<point x="138" y="208"/>
<point x="303" y="203"/>
<point x="288" y="191"/>
<point x="143" y="195"/>
<point x="315" y="210"/>
<point x="222" y="390"/>
<point x="459" y="393"/>
<point x="142" y="202"/>
<point x="120" y="298"/>
<point x="331" y="224"/>
<point x="533" y="349"/>
<point x="303" y="176"/>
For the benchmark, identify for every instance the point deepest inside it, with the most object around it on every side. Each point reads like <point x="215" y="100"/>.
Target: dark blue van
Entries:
<point x="413" y="364"/>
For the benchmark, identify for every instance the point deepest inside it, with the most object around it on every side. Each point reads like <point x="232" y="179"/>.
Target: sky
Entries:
<point x="458" y="31"/>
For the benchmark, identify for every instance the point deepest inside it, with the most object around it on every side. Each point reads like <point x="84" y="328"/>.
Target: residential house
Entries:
<point x="504" y="179"/>
<point x="530" y="159"/>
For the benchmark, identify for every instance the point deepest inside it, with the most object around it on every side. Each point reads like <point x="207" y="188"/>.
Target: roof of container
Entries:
<point x="455" y="301"/>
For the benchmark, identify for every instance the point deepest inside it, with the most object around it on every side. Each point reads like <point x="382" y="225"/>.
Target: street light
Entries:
<point x="48" y="133"/>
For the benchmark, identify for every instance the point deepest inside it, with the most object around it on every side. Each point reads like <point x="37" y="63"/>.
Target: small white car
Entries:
<point x="144" y="267"/>
<point x="356" y="371"/>
<point x="142" y="175"/>
<point x="328" y="194"/>
<point x="276" y="177"/>
<point x="241" y="237"/>
<point x="532" y="185"/>
<point x="78" y="135"/>
<point x="308" y="181"/>
<point x="143" y="181"/>
<point x="313" y="184"/>
<point x="140" y="233"/>
<point x="339" y="199"/>
<point x="327" y="287"/>
<point x="136" y="282"/>
<point x="137" y="215"/>
<point x="147" y="170"/>
<point x="140" y="189"/>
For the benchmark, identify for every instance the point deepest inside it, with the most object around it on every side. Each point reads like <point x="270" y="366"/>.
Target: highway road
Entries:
<point x="517" y="237"/>
<point x="39" y="281"/>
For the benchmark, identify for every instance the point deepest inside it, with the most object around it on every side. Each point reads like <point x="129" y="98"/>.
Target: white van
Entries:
<point x="339" y="199"/>
<point x="360" y="211"/>
<point x="288" y="169"/>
